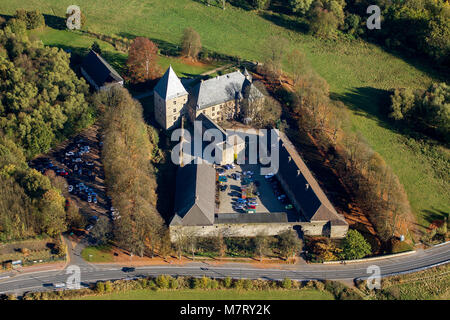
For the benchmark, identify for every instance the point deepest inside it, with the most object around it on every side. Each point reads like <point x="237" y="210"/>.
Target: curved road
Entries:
<point x="91" y="273"/>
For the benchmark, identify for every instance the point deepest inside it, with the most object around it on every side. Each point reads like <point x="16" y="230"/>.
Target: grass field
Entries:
<point x="358" y="73"/>
<point x="97" y="254"/>
<point x="230" y="294"/>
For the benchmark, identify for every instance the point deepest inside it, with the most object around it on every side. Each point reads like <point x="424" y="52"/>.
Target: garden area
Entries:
<point x="30" y="252"/>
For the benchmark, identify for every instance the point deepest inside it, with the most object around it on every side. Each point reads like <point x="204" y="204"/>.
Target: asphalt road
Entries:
<point x="91" y="273"/>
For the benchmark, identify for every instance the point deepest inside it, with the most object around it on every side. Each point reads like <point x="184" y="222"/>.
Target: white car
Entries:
<point x="70" y="188"/>
<point x="282" y="197"/>
<point x="70" y="154"/>
<point x="268" y="176"/>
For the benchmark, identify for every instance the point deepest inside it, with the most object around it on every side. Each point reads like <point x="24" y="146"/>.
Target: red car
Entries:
<point x="251" y="206"/>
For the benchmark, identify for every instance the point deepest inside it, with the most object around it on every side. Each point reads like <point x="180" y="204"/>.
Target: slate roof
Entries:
<point x="170" y="86"/>
<point x="208" y="123"/>
<point x="308" y="193"/>
<point x="195" y="195"/>
<point x="221" y="89"/>
<point x="99" y="70"/>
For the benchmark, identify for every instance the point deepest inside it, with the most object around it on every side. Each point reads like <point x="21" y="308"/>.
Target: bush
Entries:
<point x="227" y="282"/>
<point x="162" y="281"/>
<point x="248" y="284"/>
<point x="286" y="283"/>
<point x="173" y="283"/>
<point x="100" y="287"/>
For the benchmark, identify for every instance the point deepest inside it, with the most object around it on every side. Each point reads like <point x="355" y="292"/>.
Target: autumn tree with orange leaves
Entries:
<point x="142" y="61"/>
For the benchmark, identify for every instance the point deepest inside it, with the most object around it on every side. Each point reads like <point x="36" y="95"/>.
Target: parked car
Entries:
<point x="89" y="163"/>
<point x="89" y="227"/>
<point x="89" y="198"/>
<point x="70" y="188"/>
<point x="94" y="199"/>
<point x="250" y="211"/>
<point x="269" y="176"/>
<point x="251" y="206"/>
<point x="288" y="207"/>
<point x="281" y="196"/>
<point x="70" y="154"/>
<point x="252" y="203"/>
<point x="223" y="188"/>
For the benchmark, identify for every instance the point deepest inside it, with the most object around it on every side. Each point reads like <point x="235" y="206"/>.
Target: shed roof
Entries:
<point x="99" y="70"/>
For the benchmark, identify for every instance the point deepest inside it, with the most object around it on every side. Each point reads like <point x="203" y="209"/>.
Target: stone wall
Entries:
<point x="254" y="229"/>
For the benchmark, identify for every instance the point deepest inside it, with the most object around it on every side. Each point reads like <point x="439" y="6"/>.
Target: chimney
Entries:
<point x="298" y="172"/>
<point x="289" y="158"/>
<point x="307" y="186"/>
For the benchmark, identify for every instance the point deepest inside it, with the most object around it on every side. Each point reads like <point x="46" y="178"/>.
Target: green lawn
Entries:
<point x="358" y="73"/>
<point x="97" y="254"/>
<point x="230" y="294"/>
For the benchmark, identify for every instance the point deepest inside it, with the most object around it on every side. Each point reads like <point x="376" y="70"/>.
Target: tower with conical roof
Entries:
<point x="170" y="99"/>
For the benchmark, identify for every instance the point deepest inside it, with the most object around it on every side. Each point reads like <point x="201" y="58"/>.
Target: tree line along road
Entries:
<point x="417" y="261"/>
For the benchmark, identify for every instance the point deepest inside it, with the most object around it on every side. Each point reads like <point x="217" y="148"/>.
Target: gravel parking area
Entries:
<point x="78" y="160"/>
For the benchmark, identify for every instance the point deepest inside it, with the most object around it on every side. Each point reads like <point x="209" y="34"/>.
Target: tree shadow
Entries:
<point x="374" y="103"/>
<point x="286" y="21"/>
<point x="435" y="215"/>
<point x="165" y="48"/>
<point x="55" y="22"/>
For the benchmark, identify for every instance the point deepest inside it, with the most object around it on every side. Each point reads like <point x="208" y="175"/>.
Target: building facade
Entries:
<point x="219" y="98"/>
<point x="170" y="100"/>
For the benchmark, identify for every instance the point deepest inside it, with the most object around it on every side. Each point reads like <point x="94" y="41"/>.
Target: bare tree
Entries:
<point x="191" y="43"/>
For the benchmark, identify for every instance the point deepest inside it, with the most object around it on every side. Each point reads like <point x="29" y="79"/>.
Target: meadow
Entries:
<point x="358" y="73"/>
<point x="229" y="294"/>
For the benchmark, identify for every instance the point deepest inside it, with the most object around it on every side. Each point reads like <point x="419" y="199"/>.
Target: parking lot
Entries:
<point x="78" y="160"/>
<point x="266" y="198"/>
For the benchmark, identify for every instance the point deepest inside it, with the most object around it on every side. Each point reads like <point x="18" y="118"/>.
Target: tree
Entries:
<point x="323" y="23"/>
<point x="261" y="245"/>
<point x="354" y="246"/>
<point x="289" y="243"/>
<point x="101" y="230"/>
<point x="275" y="50"/>
<point x="33" y="19"/>
<point x="142" y="61"/>
<point x="261" y="4"/>
<point x="299" y="65"/>
<point x="191" y="43"/>
<point x="300" y="6"/>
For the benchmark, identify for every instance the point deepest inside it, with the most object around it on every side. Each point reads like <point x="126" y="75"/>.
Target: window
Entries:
<point x="175" y="110"/>
<point x="174" y="102"/>
<point x="213" y="108"/>
<point x="213" y="114"/>
<point x="174" y="118"/>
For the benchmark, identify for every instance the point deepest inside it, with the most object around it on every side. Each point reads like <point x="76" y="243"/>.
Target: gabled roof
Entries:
<point x="195" y="195"/>
<point x="99" y="70"/>
<point x="308" y="193"/>
<point x="170" y="86"/>
<point x="220" y="89"/>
